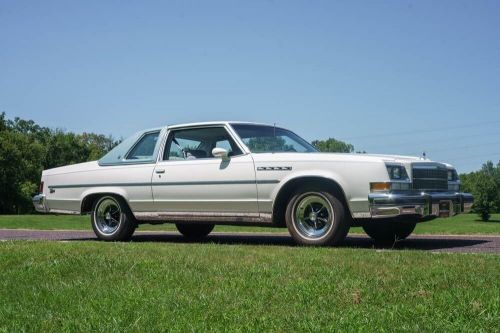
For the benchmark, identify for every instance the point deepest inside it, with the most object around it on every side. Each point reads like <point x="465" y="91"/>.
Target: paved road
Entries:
<point x="467" y="244"/>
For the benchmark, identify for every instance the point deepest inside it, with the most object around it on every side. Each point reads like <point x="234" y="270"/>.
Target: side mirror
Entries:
<point x="220" y="153"/>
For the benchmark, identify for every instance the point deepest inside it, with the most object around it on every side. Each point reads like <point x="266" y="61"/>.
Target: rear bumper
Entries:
<point x="40" y="203"/>
<point x="442" y="204"/>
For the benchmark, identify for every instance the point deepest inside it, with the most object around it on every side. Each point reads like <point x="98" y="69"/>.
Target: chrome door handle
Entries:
<point x="160" y="170"/>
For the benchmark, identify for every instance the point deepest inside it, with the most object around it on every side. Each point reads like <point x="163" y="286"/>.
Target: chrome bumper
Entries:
<point x="40" y="204"/>
<point x="442" y="204"/>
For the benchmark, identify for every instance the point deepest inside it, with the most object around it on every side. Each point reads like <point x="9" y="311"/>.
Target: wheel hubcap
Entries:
<point x="108" y="216"/>
<point x="313" y="216"/>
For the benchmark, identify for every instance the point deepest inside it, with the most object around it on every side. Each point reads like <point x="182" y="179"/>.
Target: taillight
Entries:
<point x="40" y="189"/>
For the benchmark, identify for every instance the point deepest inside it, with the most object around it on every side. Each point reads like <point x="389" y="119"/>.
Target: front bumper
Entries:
<point x="40" y="203"/>
<point x="438" y="204"/>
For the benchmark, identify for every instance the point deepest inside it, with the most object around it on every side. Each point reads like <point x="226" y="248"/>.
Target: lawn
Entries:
<point x="457" y="225"/>
<point x="97" y="286"/>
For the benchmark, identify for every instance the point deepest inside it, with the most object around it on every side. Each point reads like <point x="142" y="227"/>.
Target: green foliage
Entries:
<point x="485" y="186"/>
<point x="20" y="170"/>
<point x="334" y="146"/>
<point x="27" y="148"/>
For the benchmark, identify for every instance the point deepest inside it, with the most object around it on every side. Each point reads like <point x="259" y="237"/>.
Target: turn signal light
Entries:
<point x="40" y="188"/>
<point x="382" y="186"/>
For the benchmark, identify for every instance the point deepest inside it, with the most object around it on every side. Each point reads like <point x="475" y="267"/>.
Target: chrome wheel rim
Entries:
<point x="313" y="217"/>
<point x="108" y="216"/>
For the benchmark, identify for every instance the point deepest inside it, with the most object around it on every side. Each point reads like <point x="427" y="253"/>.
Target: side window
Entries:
<point x="144" y="149"/>
<point x="181" y="149"/>
<point x="198" y="143"/>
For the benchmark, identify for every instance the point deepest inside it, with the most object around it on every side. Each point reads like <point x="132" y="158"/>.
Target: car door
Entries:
<point x="190" y="181"/>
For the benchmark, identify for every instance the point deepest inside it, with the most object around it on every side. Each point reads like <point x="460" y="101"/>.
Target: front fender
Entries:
<point x="330" y="175"/>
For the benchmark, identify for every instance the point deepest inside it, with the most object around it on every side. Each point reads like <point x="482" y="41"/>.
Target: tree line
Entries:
<point x="27" y="148"/>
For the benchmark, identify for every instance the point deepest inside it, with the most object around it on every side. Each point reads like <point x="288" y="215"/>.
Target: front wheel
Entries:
<point x="112" y="220"/>
<point x="194" y="231"/>
<point x="389" y="232"/>
<point x="316" y="217"/>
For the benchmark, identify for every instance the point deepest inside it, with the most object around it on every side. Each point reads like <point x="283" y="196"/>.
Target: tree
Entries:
<point x="333" y="145"/>
<point x="3" y="122"/>
<point x="97" y="144"/>
<point x="485" y="186"/>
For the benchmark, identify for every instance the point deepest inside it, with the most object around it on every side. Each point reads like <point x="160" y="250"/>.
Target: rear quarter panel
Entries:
<point x="66" y="187"/>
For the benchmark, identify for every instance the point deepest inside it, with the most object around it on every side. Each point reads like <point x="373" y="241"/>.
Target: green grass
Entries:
<point x="71" y="222"/>
<point x="97" y="286"/>
<point x="458" y="225"/>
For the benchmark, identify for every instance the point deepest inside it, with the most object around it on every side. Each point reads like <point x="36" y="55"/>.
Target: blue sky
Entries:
<point x="359" y="71"/>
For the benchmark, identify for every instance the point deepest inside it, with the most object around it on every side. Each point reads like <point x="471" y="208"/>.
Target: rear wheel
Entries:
<point x="112" y="220"/>
<point x="389" y="232"/>
<point x="316" y="217"/>
<point x="194" y="231"/>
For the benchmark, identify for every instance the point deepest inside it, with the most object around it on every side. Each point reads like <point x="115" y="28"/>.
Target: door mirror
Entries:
<point x="220" y="153"/>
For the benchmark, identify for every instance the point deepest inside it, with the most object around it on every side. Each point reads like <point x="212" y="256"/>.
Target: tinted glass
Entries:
<point x="117" y="154"/>
<point x="198" y="143"/>
<point x="267" y="139"/>
<point x="145" y="148"/>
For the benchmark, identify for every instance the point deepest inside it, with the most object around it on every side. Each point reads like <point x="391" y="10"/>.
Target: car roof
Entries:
<point x="203" y="123"/>
<point x="210" y="123"/>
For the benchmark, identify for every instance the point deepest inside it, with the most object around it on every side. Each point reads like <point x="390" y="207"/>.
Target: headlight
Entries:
<point x="453" y="181"/>
<point x="396" y="172"/>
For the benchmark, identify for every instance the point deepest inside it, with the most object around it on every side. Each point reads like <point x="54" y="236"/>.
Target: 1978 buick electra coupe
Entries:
<point x="199" y="175"/>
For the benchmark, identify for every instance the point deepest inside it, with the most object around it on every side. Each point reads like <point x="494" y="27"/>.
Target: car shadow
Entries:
<point x="428" y="243"/>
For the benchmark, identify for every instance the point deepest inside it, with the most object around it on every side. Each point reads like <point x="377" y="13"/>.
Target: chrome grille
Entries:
<point x="430" y="176"/>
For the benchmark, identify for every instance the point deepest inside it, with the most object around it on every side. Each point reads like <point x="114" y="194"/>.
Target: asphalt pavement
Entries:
<point x="434" y="243"/>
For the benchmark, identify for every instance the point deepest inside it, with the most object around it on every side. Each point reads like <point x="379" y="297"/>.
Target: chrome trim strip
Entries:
<point x="98" y="185"/>
<point x="222" y="182"/>
<point x="266" y="217"/>
<point x="428" y="165"/>
<point x="64" y="211"/>
<point x="202" y="217"/>
<point x="276" y="168"/>
<point x="163" y="145"/>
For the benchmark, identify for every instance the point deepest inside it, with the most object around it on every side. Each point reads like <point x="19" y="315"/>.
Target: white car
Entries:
<point x="199" y="175"/>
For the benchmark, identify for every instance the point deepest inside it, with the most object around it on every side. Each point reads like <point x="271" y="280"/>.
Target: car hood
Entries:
<point x="338" y="157"/>
<point x="318" y="156"/>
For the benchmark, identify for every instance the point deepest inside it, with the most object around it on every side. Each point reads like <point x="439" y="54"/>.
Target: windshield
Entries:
<point x="269" y="139"/>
